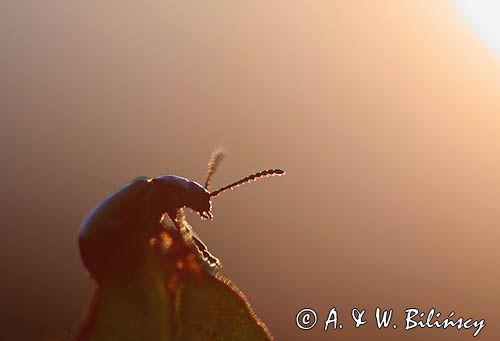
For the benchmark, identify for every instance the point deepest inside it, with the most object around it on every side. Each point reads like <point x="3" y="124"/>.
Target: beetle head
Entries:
<point x="177" y="192"/>
<point x="197" y="198"/>
<point x="181" y="192"/>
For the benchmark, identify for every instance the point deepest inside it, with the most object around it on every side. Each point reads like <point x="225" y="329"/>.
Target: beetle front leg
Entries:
<point x="175" y="217"/>
<point x="203" y="250"/>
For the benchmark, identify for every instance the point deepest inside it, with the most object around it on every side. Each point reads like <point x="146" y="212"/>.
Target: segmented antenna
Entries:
<point x="213" y="164"/>
<point x="253" y="177"/>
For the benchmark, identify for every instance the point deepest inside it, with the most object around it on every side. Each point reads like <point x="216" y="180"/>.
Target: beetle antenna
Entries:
<point x="253" y="177"/>
<point x="213" y="164"/>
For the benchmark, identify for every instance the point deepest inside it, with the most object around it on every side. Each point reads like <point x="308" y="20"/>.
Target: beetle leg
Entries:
<point x="203" y="250"/>
<point x="173" y="218"/>
<point x="200" y="246"/>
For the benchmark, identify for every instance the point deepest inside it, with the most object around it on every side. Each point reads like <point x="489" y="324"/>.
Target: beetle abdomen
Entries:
<point x="111" y="209"/>
<point x="114" y="232"/>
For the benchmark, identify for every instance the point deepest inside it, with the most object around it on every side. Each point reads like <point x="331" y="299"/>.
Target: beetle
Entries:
<point x="114" y="235"/>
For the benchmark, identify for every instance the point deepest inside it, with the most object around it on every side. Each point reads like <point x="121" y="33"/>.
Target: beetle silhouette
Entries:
<point x="114" y="235"/>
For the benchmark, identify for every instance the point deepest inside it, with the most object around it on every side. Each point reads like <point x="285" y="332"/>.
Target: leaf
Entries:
<point x="215" y="309"/>
<point x="174" y="295"/>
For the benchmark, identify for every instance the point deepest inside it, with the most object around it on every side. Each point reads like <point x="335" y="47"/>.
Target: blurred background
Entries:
<point x="384" y="113"/>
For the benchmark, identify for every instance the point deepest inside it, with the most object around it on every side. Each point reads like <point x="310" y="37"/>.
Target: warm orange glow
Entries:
<point x="385" y="115"/>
